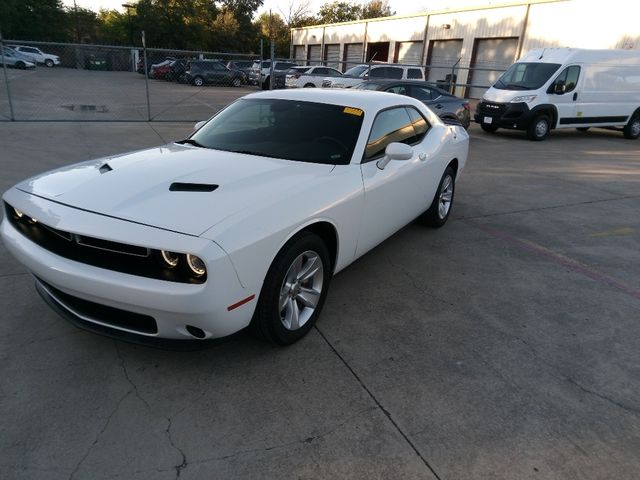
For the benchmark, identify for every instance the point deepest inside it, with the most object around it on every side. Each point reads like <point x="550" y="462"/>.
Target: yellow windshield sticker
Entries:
<point x="353" y="111"/>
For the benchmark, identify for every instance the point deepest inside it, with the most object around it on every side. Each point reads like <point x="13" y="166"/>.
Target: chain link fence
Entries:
<point x="80" y="82"/>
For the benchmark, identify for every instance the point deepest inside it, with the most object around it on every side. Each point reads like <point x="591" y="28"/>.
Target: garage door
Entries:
<point x="298" y="54"/>
<point x="443" y="55"/>
<point x="315" y="54"/>
<point x="332" y="55"/>
<point x="352" y="55"/>
<point x="491" y="53"/>
<point x="409" y="53"/>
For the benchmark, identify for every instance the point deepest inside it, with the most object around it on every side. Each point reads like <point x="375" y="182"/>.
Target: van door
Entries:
<point x="563" y="93"/>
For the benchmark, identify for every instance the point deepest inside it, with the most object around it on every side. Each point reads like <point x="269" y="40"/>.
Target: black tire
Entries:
<point x="21" y="65"/>
<point x="488" y="128"/>
<point x="267" y="320"/>
<point x="236" y="82"/>
<point x="198" y="81"/>
<point x="582" y="129"/>
<point x="434" y="216"/>
<point x="309" y="85"/>
<point x="632" y="129"/>
<point x="48" y="62"/>
<point x="539" y="128"/>
<point x="265" y="84"/>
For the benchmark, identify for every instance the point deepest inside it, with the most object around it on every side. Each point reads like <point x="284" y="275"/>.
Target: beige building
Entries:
<point x="474" y="44"/>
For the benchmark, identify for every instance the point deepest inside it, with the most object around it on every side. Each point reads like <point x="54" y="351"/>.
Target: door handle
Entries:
<point x="575" y="96"/>
<point x="422" y="156"/>
<point x="439" y="106"/>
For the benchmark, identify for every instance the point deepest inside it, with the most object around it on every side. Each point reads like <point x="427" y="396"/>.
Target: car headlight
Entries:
<point x="196" y="265"/>
<point x="524" y="98"/>
<point x="170" y="258"/>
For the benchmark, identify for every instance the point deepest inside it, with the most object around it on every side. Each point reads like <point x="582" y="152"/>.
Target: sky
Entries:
<point x="402" y="7"/>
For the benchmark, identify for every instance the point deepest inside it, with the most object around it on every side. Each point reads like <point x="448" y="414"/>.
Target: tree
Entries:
<point x="273" y="26"/>
<point x="376" y="9"/>
<point x="339" y="12"/>
<point x="298" y="14"/>
<point x="43" y="20"/>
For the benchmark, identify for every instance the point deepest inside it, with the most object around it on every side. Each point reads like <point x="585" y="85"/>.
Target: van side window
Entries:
<point x="570" y="77"/>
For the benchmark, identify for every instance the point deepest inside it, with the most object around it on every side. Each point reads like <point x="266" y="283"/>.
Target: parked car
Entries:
<point x="152" y="60"/>
<point x="565" y="88"/>
<point x="201" y="72"/>
<point x="311" y="76"/>
<point x="178" y="69"/>
<point x="261" y="72"/>
<point x="161" y="69"/>
<point x="444" y="104"/>
<point x="242" y="65"/>
<point x="243" y="223"/>
<point x="384" y="71"/>
<point x="38" y="55"/>
<point x="15" y="59"/>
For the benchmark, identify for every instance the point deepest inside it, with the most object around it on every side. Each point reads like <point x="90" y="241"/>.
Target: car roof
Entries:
<point x="420" y="83"/>
<point x="362" y="99"/>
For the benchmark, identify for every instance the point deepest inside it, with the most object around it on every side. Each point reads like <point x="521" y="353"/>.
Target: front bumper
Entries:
<point x="172" y="306"/>
<point x="515" y="116"/>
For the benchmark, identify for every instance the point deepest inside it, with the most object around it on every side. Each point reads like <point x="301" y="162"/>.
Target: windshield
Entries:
<point x="368" y="86"/>
<point x="287" y="129"/>
<point x="357" y="71"/>
<point x="526" y="76"/>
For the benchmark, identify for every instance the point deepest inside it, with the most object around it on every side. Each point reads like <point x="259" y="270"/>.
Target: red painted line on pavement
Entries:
<point x="560" y="260"/>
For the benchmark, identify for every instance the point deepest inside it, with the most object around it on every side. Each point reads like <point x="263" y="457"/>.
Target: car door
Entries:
<point x="404" y="189"/>
<point x="566" y="101"/>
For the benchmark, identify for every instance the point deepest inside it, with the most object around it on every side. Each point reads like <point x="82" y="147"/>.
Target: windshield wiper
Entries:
<point x="251" y="152"/>
<point x="190" y="141"/>
<point x="516" y="87"/>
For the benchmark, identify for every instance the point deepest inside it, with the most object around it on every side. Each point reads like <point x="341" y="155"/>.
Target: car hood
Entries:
<point x="505" y="96"/>
<point x="136" y="186"/>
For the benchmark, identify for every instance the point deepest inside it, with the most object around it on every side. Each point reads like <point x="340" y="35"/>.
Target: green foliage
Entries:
<point x="43" y="20"/>
<point x="339" y="12"/>
<point x="376" y="9"/>
<point x="273" y="26"/>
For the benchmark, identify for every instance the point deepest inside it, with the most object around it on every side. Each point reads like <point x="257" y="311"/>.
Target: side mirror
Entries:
<point x="395" y="151"/>
<point x="199" y="125"/>
<point x="559" y="87"/>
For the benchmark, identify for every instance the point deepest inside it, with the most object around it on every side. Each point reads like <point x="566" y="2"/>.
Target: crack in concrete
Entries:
<point x="134" y="387"/>
<point x="184" y="464"/>
<point x="307" y="440"/>
<point x="415" y="285"/>
<point x="95" y="442"/>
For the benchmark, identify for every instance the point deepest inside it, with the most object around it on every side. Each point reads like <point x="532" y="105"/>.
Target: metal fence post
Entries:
<point x="6" y="78"/>
<point x="146" y="76"/>
<point x="271" y="68"/>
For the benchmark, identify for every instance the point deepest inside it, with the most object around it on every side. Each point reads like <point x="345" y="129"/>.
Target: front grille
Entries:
<point x="492" y="109"/>
<point x="120" y="257"/>
<point x="103" y="313"/>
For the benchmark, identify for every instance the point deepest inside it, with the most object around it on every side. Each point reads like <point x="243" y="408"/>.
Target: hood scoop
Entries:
<point x="105" y="168"/>
<point x="192" y="187"/>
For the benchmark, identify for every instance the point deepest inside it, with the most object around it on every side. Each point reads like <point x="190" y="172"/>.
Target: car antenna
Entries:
<point x="542" y="54"/>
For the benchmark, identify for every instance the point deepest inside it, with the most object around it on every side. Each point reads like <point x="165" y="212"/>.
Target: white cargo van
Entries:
<point x="565" y="88"/>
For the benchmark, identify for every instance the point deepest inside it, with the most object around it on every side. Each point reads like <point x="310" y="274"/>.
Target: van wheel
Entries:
<point x="488" y="128"/>
<point x="539" y="128"/>
<point x="632" y="129"/>
<point x="582" y="129"/>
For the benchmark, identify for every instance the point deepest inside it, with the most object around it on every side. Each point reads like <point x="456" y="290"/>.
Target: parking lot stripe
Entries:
<point x="560" y="259"/>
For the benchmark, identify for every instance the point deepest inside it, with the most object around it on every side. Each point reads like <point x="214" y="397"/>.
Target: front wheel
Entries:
<point x="632" y="129"/>
<point x="294" y="290"/>
<point x="488" y="128"/>
<point x="236" y="82"/>
<point x="21" y="65"/>
<point x="48" y="62"/>
<point x="438" y="213"/>
<point x="539" y="128"/>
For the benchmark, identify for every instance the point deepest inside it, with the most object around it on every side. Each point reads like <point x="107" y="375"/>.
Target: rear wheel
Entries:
<point x="582" y="129"/>
<point x="21" y="65"/>
<point x="309" y="85"/>
<point x="438" y="213"/>
<point x="294" y="290"/>
<point x="198" y="81"/>
<point x="632" y="129"/>
<point x="539" y="128"/>
<point x="488" y="128"/>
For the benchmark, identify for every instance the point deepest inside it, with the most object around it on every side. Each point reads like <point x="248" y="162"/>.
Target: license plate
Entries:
<point x="488" y="119"/>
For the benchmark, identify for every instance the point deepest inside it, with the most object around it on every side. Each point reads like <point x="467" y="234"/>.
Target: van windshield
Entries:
<point x="526" y="76"/>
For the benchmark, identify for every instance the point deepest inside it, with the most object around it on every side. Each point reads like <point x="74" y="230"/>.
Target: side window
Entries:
<point x="393" y="125"/>
<point x="421" y="93"/>
<point x="399" y="89"/>
<point x="386" y="72"/>
<point x="321" y="71"/>
<point x="570" y="77"/>
<point x="420" y="124"/>
<point x="414" y="73"/>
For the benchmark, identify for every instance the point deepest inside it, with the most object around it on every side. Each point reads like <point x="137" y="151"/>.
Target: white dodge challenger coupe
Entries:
<point x="242" y="224"/>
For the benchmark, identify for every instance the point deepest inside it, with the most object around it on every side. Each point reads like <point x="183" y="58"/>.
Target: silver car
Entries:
<point x="14" y="59"/>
